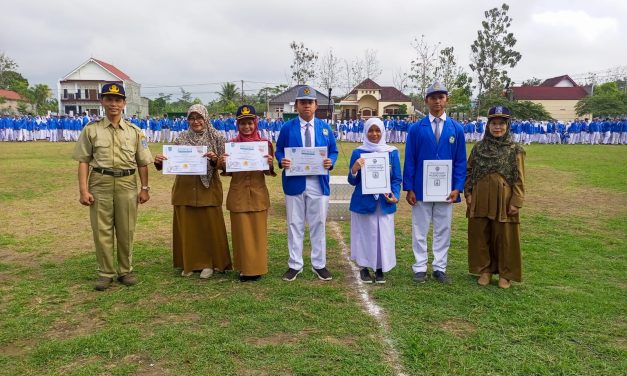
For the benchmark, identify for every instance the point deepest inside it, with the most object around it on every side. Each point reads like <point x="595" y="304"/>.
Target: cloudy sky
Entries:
<point x="198" y="44"/>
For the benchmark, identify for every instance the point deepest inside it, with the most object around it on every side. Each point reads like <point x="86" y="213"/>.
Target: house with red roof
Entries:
<point x="558" y="95"/>
<point x="79" y="90"/>
<point x="9" y="101"/>
<point x="370" y="99"/>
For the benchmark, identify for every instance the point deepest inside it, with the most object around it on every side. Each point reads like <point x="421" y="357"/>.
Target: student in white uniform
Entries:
<point x="373" y="243"/>
<point x="306" y="197"/>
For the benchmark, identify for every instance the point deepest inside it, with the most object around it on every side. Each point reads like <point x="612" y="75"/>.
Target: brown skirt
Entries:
<point x="494" y="247"/>
<point x="249" y="232"/>
<point x="199" y="239"/>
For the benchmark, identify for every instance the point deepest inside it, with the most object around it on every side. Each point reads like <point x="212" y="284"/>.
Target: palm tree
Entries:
<point x="228" y="93"/>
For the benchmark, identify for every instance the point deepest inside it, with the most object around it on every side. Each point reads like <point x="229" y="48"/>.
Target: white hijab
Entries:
<point x="380" y="147"/>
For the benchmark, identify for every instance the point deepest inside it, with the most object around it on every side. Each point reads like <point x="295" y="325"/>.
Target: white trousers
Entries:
<point x="373" y="244"/>
<point x="310" y="207"/>
<point x="422" y="215"/>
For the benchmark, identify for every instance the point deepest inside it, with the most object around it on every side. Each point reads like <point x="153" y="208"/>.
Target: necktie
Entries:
<point x="437" y="129"/>
<point x="307" y="135"/>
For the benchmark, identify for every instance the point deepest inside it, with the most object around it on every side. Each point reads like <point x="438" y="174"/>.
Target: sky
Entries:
<point x="197" y="45"/>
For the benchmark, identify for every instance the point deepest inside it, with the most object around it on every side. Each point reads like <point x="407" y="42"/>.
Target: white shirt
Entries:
<point x="431" y="118"/>
<point x="311" y="130"/>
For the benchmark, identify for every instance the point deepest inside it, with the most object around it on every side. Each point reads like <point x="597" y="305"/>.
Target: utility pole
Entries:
<point x="242" y="92"/>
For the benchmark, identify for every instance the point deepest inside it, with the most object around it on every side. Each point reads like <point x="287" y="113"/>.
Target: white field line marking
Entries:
<point x="369" y="305"/>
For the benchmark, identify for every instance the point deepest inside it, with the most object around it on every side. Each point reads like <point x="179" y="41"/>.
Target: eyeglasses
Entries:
<point x="192" y="119"/>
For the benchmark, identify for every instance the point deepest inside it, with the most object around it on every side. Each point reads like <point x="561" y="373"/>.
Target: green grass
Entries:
<point x="566" y="318"/>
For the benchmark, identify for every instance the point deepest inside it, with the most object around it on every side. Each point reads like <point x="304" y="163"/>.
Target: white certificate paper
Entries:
<point x="436" y="180"/>
<point x="246" y="156"/>
<point x="184" y="160"/>
<point x="306" y="161"/>
<point x="375" y="173"/>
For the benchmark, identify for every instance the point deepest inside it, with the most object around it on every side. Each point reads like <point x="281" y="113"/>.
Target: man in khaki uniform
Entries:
<point x="109" y="152"/>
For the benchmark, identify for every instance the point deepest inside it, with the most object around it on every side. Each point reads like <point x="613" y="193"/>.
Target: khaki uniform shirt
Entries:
<point x="102" y="145"/>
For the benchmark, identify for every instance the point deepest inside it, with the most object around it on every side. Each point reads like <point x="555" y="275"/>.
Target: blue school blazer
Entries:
<point x="366" y="204"/>
<point x="290" y="137"/>
<point x="421" y="146"/>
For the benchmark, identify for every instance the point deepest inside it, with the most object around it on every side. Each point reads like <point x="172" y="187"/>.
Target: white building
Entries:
<point x="79" y="90"/>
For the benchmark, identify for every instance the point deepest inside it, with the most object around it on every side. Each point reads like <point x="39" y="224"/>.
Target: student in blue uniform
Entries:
<point x="306" y="197"/>
<point x="372" y="215"/>
<point x="435" y="137"/>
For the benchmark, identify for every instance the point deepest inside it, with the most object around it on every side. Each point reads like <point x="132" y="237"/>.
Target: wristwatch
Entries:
<point x="146" y="188"/>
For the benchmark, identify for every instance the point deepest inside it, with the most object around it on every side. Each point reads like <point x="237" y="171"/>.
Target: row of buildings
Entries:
<point x="78" y="92"/>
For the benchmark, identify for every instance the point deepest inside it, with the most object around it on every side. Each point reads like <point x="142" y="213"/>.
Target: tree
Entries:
<point x="159" y="105"/>
<point x="532" y="82"/>
<point x="14" y="81"/>
<point x="303" y="66"/>
<point x="352" y="74"/>
<point x="460" y="93"/>
<point x="38" y="96"/>
<point x="372" y="66"/>
<point x="228" y="93"/>
<point x="400" y="80"/>
<point x="329" y="70"/>
<point x="493" y="51"/>
<point x="447" y="70"/>
<point x="423" y="67"/>
<point x="402" y="109"/>
<point x="6" y="65"/>
<point x="607" y="100"/>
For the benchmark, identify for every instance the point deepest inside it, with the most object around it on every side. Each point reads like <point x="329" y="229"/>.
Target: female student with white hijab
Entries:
<point x="372" y="215"/>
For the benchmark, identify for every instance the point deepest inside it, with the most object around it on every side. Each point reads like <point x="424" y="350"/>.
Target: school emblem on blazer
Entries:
<point x="451" y="139"/>
<point x="325" y="132"/>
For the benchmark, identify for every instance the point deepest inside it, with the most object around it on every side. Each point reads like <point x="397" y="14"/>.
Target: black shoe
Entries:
<point x="249" y="278"/>
<point x="441" y="277"/>
<point x="291" y="274"/>
<point x="127" y="279"/>
<point x="322" y="273"/>
<point x="103" y="283"/>
<point x="364" y="275"/>
<point x="420" y="277"/>
<point x="379" y="277"/>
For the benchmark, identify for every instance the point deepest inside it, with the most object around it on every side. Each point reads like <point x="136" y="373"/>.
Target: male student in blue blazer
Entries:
<point x="306" y="197"/>
<point x="435" y="137"/>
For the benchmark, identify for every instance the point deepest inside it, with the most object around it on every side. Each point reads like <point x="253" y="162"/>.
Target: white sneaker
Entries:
<point x="183" y="274"/>
<point x="206" y="273"/>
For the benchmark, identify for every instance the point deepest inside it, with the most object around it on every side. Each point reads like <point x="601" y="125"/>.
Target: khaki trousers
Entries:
<point x="113" y="215"/>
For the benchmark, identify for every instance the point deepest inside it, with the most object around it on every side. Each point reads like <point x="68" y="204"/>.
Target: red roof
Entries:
<point x="114" y="70"/>
<point x="368" y="84"/>
<point x="392" y="94"/>
<point x="548" y="93"/>
<point x="10" y="95"/>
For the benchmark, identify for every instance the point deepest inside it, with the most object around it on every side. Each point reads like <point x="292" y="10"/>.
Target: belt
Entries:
<point x="115" y="173"/>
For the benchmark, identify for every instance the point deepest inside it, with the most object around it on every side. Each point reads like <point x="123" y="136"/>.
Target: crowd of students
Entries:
<point x="597" y="131"/>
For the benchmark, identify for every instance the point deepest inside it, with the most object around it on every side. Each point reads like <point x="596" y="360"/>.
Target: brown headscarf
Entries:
<point x="496" y="154"/>
<point x="209" y="137"/>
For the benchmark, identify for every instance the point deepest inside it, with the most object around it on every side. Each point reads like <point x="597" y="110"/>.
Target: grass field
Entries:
<point x="568" y="317"/>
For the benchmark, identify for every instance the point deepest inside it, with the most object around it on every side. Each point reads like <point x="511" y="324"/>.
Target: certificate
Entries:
<point x="306" y="161"/>
<point x="375" y="173"/>
<point x="436" y="180"/>
<point x="184" y="160"/>
<point x="246" y="156"/>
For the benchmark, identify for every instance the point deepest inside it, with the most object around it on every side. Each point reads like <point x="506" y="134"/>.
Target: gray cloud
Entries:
<point x="183" y="42"/>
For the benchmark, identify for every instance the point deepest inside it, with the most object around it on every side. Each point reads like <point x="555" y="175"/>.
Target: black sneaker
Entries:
<point x="364" y="275"/>
<point x="420" y="277"/>
<point x="249" y="278"/>
<point x="291" y="274"/>
<point x="379" y="277"/>
<point x="322" y="273"/>
<point x="441" y="277"/>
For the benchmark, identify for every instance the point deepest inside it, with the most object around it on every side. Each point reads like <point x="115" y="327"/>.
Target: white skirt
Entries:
<point x="373" y="243"/>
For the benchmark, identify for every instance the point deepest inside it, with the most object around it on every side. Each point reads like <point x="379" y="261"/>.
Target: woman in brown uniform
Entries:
<point x="495" y="192"/>
<point x="248" y="201"/>
<point x="199" y="234"/>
